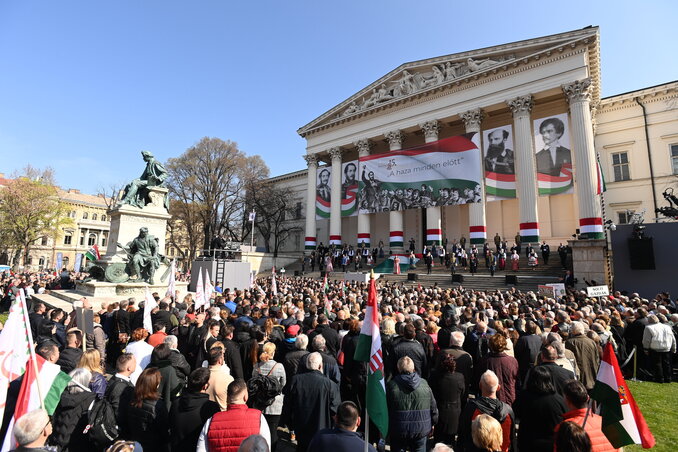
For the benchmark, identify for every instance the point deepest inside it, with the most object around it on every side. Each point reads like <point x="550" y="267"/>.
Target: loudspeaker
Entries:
<point x="458" y="277"/>
<point x="322" y="273"/>
<point x="411" y="276"/>
<point x="511" y="279"/>
<point x="297" y="273"/>
<point x="641" y="254"/>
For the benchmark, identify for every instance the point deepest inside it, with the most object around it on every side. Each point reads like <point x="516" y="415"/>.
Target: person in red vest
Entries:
<point x="226" y="430"/>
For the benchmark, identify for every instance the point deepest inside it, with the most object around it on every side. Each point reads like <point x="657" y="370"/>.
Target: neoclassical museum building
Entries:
<point x="510" y="140"/>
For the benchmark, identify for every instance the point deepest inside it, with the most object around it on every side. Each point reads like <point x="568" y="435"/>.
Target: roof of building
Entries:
<point x="75" y="196"/>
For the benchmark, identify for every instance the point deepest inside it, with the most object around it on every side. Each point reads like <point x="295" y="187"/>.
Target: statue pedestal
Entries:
<point x="126" y="221"/>
<point x="589" y="261"/>
<point x="110" y="291"/>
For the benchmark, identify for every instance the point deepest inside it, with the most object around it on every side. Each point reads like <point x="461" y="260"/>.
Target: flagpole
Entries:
<point x="31" y="346"/>
<point x="367" y="426"/>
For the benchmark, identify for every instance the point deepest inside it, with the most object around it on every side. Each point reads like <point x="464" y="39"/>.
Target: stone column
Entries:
<point x="310" y="241"/>
<point x="396" y="218"/>
<point x="434" y="232"/>
<point x="363" y="219"/>
<point x="590" y="215"/>
<point x="476" y="211"/>
<point x="526" y="171"/>
<point x="335" y="198"/>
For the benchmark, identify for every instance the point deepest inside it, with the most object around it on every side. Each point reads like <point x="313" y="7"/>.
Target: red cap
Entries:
<point x="293" y="330"/>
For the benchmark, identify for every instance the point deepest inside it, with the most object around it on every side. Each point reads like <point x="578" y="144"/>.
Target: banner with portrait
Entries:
<point x="443" y="173"/>
<point x="349" y="189"/>
<point x="553" y="155"/>
<point x="323" y="192"/>
<point x="499" y="160"/>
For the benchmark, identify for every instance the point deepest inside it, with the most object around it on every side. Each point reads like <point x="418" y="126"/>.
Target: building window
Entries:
<point x="41" y="262"/>
<point x="624" y="216"/>
<point x="674" y="158"/>
<point x="171" y="253"/>
<point x="68" y="238"/>
<point x="72" y="214"/>
<point x="82" y="238"/>
<point x="297" y="211"/>
<point x="103" y="218"/>
<point x="620" y="165"/>
<point x="65" y="262"/>
<point x="85" y="215"/>
<point x="104" y="238"/>
<point x="94" y="216"/>
<point x="92" y="240"/>
<point x="43" y="241"/>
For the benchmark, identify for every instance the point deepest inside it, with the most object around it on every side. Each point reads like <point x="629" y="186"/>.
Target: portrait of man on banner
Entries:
<point x="554" y="157"/>
<point x="323" y="193"/>
<point x="349" y="189"/>
<point x="499" y="162"/>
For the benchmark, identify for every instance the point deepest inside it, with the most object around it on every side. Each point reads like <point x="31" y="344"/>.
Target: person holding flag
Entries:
<point x="171" y="283"/>
<point x="274" y="284"/>
<point x="369" y="350"/>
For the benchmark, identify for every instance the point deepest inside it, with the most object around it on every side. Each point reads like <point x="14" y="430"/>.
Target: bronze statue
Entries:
<point x="154" y="175"/>
<point x="144" y="258"/>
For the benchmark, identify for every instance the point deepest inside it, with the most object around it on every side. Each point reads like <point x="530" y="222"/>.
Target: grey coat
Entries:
<point x="277" y="371"/>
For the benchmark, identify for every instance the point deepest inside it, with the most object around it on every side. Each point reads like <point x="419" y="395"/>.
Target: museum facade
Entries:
<point x="507" y="140"/>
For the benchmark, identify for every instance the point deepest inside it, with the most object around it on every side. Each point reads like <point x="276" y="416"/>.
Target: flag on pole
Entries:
<point x="623" y="423"/>
<point x="171" y="283"/>
<point x="149" y="305"/>
<point x="199" y="292"/>
<point x="274" y="284"/>
<point x="41" y="389"/>
<point x="369" y="349"/>
<point x="209" y="289"/>
<point x="601" y="179"/>
<point x="15" y="347"/>
<point x="93" y="253"/>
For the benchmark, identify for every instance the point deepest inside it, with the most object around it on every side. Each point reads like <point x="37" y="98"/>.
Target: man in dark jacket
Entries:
<point x="408" y="346"/>
<point x="190" y="412"/>
<point x="331" y="336"/>
<point x="488" y="404"/>
<point x="120" y="389"/>
<point x="330" y="365"/>
<point x="71" y="354"/>
<point x="427" y="342"/>
<point x="294" y="361"/>
<point x="178" y="360"/>
<point x="37" y="317"/>
<point x="412" y="408"/>
<point x="559" y="375"/>
<point x="527" y="349"/>
<point x="342" y="438"/>
<point x="463" y="360"/>
<point x="162" y="315"/>
<point x="310" y="402"/>
<point x="232" y="355"/>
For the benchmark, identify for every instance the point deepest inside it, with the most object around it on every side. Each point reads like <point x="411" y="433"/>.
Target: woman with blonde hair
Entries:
<point x="486" y="433"/>
<point x="268" y="367"/>
<point x="91" y="360"/>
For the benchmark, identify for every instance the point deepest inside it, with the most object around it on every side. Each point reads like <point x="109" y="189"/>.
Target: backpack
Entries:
<point x="262" y="390"/>
<point x="102" y="428"/>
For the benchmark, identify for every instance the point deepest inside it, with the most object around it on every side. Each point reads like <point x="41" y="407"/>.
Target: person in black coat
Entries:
<point x="527" y="348"/>
<point x="37" y="318"/>
<point x="179" y="362"/>
<point x="120" y="332"/>
<point x="310" y="402"/>
<point x="539" y="409"/>
<point x="147" y="417"/>
<point x="170" y="385"/>
<point x="71" y="415"/>
<point x="190" y="412"/>
<point x="408" y="346"/>
<point x="120" y="389"/>
<point x="448" y="389"/>
<point x="559" y="375"/>
<point x="331" y="336"/>
<point x="71" y="354"/>
<point x="343" y="437"/>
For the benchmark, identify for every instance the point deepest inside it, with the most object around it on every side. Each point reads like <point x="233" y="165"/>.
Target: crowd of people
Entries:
<point x="264" y="369"/>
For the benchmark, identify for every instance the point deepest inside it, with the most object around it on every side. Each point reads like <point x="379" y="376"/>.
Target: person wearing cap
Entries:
<point x="288" y="345"/>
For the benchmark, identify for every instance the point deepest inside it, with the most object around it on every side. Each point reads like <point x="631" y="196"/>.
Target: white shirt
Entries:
<point x="142" y="352"/>
<point x="203" y="445"/>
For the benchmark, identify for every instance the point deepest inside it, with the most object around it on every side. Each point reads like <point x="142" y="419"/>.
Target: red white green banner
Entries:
<point x="396" y="238"/>
<point x="93" y="253"/>
<point x="554" y="157"/>
<point x="529" y="232"/>
<point x="499" y="162"/>
<point x="591" y="228"/>
<point x="445" y="172"/>
<point x="434" y="236"/>
<point x="349" y="190"/>
<point x="364" y="237"/>
<point x="478" y="234"/>
<point x="323" y="192"/>
<point x="310" y="243"/>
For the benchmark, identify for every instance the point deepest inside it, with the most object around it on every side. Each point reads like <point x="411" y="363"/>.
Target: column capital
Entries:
<point x="311" y="159"/>
<point x="578" y="91"/>
<point x="394" y="138"/>
<point x="363" y="146"/>
<point x="431" y="129"/>
<point x="335" y="153"/>
<point x="521" y="105"/>
<point x="472" y="118"/>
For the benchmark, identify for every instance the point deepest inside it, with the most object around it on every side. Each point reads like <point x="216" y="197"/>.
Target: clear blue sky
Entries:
<point x="86" y="85"/>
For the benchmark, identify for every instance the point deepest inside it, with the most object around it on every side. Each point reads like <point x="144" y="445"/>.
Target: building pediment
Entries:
<point x="420" y="78"/>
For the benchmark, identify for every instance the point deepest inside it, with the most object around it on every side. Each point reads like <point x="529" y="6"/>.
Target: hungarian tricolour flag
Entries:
<point x="41" y="389"/>
<point x="93" y="253"/>
<point x="369" y="350"/>
<point x="601" y="178"/>
<point x="623" y="423"/>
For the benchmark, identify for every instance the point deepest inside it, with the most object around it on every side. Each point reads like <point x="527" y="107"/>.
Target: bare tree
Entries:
<point x="275" y="214"/>
<point x="210" y="177"/>
<point x="110" y="194"/>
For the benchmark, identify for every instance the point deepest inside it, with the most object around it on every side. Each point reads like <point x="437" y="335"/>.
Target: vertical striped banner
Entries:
<point x="434" y="236"/>
<point x="529" y="232"/>
<point x="591" y="228"/>
<point x="335" y="240"/>
<point x="309" y="243"/>
<point x="364" y="237"/>
<point x="396" y="238"/>
<point x="478" y="235"/>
